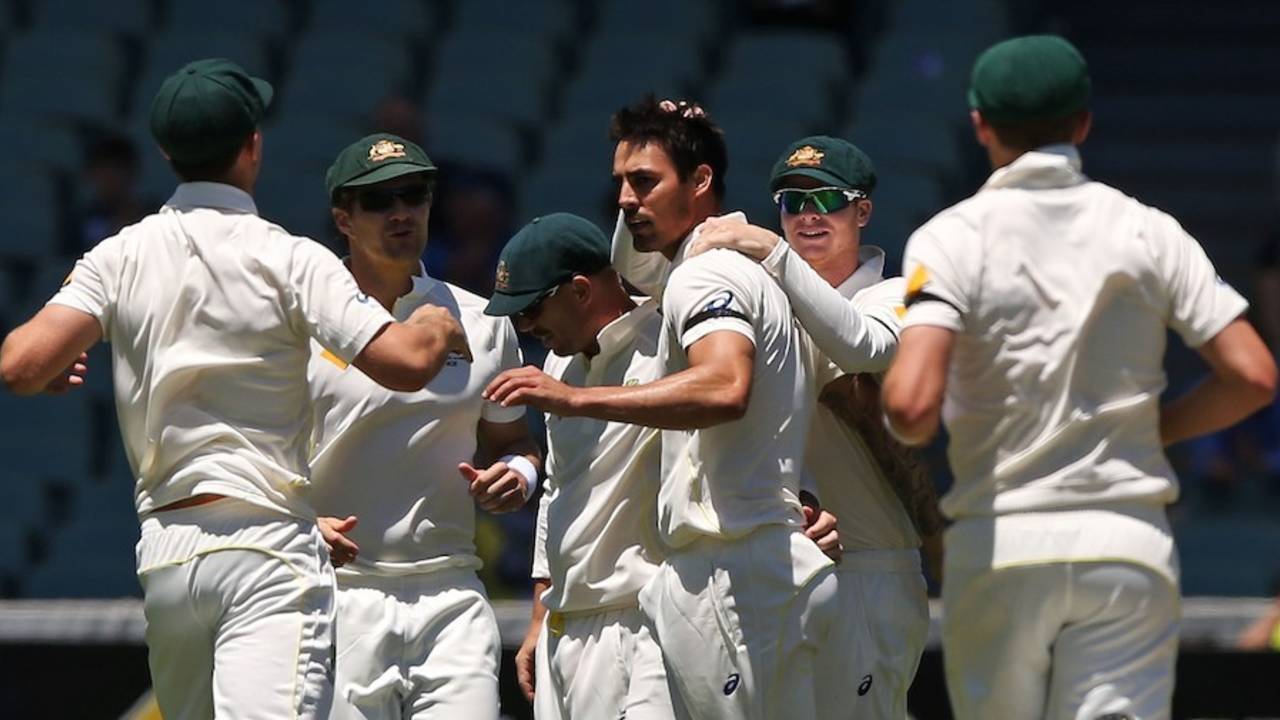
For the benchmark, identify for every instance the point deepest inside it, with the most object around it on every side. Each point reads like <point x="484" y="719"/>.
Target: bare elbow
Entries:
<point x="17" y="379"/>
<point x="914" y="421"/>
<point x="1262" y="382"/>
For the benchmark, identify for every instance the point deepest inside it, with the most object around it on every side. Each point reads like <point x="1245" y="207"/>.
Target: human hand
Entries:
<point x="443" y="321"/>
<point x="820" y="526"/>
<point x="530" y="386"/>
<point x="72" y="377"/>
<point x="341" y="549"/>
<point x="526" y="663"/>
<point x="733" y="234"/>
<point x="497" y="488"/>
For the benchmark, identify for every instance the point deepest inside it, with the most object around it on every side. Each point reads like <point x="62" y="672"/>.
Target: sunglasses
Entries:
<point x="382" y="199"/>
<point x="532" y="312"/>
<point x="824" y="199"/>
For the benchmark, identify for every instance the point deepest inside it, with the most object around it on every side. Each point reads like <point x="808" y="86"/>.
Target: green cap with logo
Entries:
<point x="1034" y="77"/>
<point x="830" y="160"/>
<point x="373" y="159"/>
<point x="207" y="109"/>
<point x="548" y="251"/>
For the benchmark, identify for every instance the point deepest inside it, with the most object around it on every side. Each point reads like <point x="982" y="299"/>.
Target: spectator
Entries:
<point x="110" y="199"/>
<point x="472" y="222"/>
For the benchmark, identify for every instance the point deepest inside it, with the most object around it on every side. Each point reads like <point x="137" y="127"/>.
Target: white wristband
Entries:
<point x="521" y="464"/>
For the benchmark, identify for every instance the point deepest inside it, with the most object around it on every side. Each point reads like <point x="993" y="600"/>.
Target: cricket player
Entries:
<point x="743" y="598"/>
<point x="1035" y="328"/>
<point x="588" y="653"/>
<point x="823" y="188"/>
<point x="392" y="472"/>
<point x="210" y="311"/>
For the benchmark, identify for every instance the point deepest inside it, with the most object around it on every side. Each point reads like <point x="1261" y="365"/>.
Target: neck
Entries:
<point x="839" y="270"/>
<point x="614" y="306"/>
<point x="708" y="211"/>
<point x="382" y="279"/>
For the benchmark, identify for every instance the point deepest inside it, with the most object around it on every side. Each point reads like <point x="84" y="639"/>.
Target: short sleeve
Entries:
<point x="91" y="287"/>
<point x="329" y="303"/>
<point x="936" y="290"/>
<point x="1201" y="303"/>
<point x="508" y="349"/>
<point x="713" y="292"/>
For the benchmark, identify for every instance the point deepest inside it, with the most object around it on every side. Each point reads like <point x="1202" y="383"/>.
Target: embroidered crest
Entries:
<point x="502" y="277"/>
<point x="385" y="150"/>
<point x="807" y="156"/>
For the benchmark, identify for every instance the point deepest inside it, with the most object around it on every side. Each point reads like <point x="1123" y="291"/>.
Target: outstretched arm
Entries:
<point x="714" y="389"/>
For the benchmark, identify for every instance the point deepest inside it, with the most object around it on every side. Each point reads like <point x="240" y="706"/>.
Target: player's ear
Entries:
<point x="863" y="212"/>
<point x="702" y="176"/>
<point x="342" y="219"/>
<point x="981" y="129"/>
<point x="580" y="285"/>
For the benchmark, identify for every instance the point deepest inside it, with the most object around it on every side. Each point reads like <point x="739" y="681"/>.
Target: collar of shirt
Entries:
<point x="621" y="332"/>
<point x="870" y="271"/>
<point x="422" y="285"/>
<point x="212" y="195"/>
<point x="1052" y="166"/>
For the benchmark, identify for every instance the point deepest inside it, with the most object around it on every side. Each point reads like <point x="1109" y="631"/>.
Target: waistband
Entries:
<point x="890" y="561"/>
<point x="424" y="582"/>
<point x="176" y="536"/>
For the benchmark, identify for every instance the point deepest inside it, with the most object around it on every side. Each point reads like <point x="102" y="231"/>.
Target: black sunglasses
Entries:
<point x="532" y="312"/>
<point x="381" y="199"/>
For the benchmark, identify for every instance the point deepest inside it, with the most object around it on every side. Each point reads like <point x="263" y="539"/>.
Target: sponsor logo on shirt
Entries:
<point x="454" y="358"/>
<point x="720" y="301"/>
<point x="732" y="683"/>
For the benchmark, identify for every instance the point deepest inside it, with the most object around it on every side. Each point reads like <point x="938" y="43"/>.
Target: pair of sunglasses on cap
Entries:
<point x="824" y="199"/>
<point x="381" y="199"/>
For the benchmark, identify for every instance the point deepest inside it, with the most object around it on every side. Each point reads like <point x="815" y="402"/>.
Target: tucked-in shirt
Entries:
<point x="209" y="310"/>
<point x="1060" y="290"/>
<point x="597" y="537"/>
<point x="391" y="458"/>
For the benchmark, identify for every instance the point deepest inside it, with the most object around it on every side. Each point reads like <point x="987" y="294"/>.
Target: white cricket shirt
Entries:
<point x="597" y="538"/>
<point x="1059" y="290"/>
<point x="727" y="480"/>
<point x="391" y="458"/>
<point x="209" y="310"/>
<point x="838" y="465"/>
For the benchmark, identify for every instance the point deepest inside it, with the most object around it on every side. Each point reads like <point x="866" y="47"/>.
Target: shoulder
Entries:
<point x="722" y="265"/>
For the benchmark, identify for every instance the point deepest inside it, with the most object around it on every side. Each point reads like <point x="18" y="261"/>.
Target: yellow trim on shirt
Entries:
<point x="328" y="355"/>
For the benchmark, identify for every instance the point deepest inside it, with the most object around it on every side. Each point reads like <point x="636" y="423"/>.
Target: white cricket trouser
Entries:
<point x="422" y="646"/>
<point x="599" y="665"/>
<point x="873" y="652"/>
<point x="1060" y="641"/>
<point x="239" y="607"/>
<point x="740" y="623"/>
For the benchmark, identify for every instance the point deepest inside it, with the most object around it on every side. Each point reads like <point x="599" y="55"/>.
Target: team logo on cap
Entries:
<point x="807" y="156"/>
<point x="385" y="150"/>
<point x="502" y="277"/>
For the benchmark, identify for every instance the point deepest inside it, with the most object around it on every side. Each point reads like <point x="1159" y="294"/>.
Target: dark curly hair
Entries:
<point x="689" y="137"/>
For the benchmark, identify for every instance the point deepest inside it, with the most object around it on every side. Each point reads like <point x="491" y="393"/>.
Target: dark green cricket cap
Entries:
<point x="1034" y="77"/>
<point x="548" y="251"/>
<point x="830" y="160"/>
<point x="376" y="158"/>
<point x="206" y="109"/>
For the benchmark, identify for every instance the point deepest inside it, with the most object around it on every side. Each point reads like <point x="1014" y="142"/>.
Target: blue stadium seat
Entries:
<point x="30" y="207"/>
<point x="343" y="73"/>
<point x="93" y="555"/>
<point x="307" y="143"/>
<point x="582" y="137"/>
<point x="125" y="16"/>
<point x="680" y="21"/>
<point x="42" y="145"/>
<point x="54" y="438"/>
<point x="262" y="16"/>
<point x="13" y="547"/>
<point x="79" y="76"/>
<point x="472" y="72"/>
<point x="565" y="186"/>
<point x="924" y="143"/>
<point x="295" y="200"/>
<point x="476" y="140"/>
<point x="549" y="19"/>
<point x="171" y="50"/>
<point x="389" y="17"/>
<point x="610" y="78"/>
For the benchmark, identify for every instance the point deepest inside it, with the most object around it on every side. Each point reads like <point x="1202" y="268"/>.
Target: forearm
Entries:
<point x="539" y="611"/>
<point x="853" y="340"/>
<point x="691" y="399"/>
<point x="1214" y="404"/>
